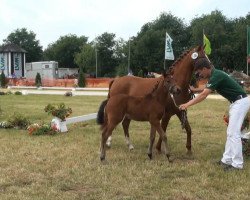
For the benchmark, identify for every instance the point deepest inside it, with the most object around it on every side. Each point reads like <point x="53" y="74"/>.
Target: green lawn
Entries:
<point x="67" y="166"/>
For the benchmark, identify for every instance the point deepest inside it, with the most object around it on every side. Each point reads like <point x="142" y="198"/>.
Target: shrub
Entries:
<point x="81" y="79"/>
<point x="2" y="93"/>
<point x="18" y="93"/>
<point x="18" y="121"/>
<point x="38" y="80"/>
<point x="2" y="80"/>
<point x="68" y="94"/>
<point x="140" y="73"/>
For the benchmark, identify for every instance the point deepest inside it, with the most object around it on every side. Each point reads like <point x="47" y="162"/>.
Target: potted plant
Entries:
<point x="60" y="113"/>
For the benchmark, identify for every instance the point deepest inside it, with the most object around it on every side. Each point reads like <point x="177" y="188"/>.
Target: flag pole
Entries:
<point x="247" y="48"/>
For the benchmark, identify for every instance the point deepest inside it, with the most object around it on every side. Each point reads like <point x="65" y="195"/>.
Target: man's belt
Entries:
<point x="239" y="97"/>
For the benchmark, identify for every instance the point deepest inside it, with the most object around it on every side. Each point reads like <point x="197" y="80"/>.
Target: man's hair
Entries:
<point x="202" y="62"/>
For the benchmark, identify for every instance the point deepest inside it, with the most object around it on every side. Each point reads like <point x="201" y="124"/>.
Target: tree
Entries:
<point x="64" y="50"/>
<point x="27" y="41"/>
<point x="107" y="62"/>
<point x="227" y="37"/>
<point x="148" y="47"/>
<point x="85" y="59"/>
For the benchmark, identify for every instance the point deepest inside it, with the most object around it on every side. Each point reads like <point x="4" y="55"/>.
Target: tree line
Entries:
<point x="109" y="56"/>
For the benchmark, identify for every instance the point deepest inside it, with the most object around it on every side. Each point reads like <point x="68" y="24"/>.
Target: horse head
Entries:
<point x="170" y="83"/>
<point x="197" y="55"/>
<point x="184" y="66"/>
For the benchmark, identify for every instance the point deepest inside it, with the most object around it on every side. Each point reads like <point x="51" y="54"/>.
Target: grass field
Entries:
<point x="67" y="166"/>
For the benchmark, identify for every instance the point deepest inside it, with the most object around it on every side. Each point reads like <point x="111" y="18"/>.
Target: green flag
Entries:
<point x="248" y="40"/>
<point x="207" y="44"/>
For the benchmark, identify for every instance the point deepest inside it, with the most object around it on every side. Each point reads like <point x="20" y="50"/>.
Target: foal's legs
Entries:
<point x="189" y="134"/>
<point x="125" y="125"/>
<point x="164" y="124"/>
<point x="151" y="143"/>
<point x="163" y="137"/>
<point x="107" y="131"/>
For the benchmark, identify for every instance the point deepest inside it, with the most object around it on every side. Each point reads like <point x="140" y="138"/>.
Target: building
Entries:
<point x="12" y="60"/>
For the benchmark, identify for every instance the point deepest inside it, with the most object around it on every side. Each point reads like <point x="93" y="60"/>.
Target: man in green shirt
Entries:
<point x="227" y="87"/>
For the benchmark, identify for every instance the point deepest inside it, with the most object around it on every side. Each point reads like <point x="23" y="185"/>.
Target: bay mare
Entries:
<point x="149" y="108"/>
<point x="136" y="86"/>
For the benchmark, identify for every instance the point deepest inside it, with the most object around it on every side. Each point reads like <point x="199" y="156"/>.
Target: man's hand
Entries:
<point x="183" y="106"/>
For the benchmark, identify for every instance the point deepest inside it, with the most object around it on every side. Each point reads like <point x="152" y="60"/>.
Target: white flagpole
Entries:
<point x="247" y="49"/>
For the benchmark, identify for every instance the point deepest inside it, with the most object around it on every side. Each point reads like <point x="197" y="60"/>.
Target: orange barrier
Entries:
<point x="90" y="82"/>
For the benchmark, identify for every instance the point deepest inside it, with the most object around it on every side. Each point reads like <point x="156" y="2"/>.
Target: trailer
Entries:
<point x="47" y="69"/>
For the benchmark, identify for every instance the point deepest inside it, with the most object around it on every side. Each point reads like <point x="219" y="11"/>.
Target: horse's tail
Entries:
<point x="101" y="114"/>
<point x="110" y="84"/>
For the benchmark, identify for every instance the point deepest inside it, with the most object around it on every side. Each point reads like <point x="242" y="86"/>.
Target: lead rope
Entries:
<point x="183" y="112"/>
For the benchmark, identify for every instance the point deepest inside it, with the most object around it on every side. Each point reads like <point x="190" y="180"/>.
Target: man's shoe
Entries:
<point x="231" y="168"/>
<point x="220" y="163"/>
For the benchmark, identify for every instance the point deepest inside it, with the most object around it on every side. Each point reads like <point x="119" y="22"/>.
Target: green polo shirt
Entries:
<point x="224" y="85"/>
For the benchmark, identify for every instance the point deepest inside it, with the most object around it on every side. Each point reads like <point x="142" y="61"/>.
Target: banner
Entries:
<point x="17" y="61"/>
<point x="169" y="53"/>
<point x="3" y="62"/>
<point x="207" y="44"/>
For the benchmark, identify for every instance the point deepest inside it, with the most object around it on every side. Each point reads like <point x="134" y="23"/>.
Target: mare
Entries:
<point x="145" y="108"/>
<point x="136" y="86"/>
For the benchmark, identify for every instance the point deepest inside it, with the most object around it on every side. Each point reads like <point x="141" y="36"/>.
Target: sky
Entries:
<point x="50" y="19"/>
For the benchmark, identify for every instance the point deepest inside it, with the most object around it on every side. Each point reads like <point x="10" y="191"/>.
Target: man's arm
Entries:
<point x="199" y="89"/>
<point x="200" y="97"/>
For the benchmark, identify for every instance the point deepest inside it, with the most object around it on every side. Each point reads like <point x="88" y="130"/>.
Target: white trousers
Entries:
<point x="233" y="148"/>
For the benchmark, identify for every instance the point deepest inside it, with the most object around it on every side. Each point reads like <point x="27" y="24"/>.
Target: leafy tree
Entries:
<point x="107" y="60"/>
<point x="85" y="59"/>
<point x="148" y="47"/>
<point x="27" y="41"/>
<point x="64" y="50"/>
<point x="38" y="80"/>
<point x="227" y="38"/>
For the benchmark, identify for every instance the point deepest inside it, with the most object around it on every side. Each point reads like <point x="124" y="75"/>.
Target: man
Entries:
<point x="227" y="87"/>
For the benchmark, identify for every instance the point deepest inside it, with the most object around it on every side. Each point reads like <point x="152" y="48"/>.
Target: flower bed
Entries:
<point x="42" y="129"/>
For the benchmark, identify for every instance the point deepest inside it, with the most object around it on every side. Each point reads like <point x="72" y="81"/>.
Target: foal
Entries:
<point x="149" y="108"/>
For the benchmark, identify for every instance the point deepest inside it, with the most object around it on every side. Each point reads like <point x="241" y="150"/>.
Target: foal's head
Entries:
<point x="170" y="83"/>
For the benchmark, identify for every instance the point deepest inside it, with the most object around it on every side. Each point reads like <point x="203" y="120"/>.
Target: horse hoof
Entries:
<point x="108" y="145"/>
<point x="189" y="153"/>
<point x="158" y="149"/>
<point x="102" y="158"/>
<point x="130" y="147"/>
<point x="150" y="156"/>
<point x="170" y="159"/>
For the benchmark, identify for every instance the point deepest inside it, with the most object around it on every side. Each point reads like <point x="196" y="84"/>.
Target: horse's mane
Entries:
<point x="152" y="93"/>
<point x="180" y="58"/>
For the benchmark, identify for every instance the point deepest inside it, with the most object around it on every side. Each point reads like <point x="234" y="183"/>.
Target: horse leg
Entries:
<point x="125" y="125"/>
<point x="189" y="134"/>
<point x="108" y="143"/>
<point x="164" y="124"/>
<point x="163" y="137"/>
<point x="151" y="143"/>
<point x="107" y="132"/>
<point x="103" y="141"/>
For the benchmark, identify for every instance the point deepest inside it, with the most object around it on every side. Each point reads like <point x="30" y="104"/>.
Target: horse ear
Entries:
<point x="163" y="73"/>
